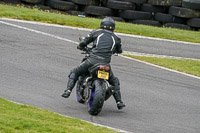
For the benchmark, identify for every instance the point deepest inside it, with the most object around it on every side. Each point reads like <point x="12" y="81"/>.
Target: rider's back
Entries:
<point x="105" y="43"/>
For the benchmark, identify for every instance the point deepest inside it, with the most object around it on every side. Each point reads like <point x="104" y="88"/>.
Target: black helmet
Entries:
<point x="108" y="23"/>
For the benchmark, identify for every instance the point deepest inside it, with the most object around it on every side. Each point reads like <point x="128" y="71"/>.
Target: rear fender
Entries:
<point x="93" y="70"/>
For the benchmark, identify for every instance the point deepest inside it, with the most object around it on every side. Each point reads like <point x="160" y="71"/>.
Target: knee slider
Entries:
<point x="117" y="81"/>
<point x="73" y="75"/>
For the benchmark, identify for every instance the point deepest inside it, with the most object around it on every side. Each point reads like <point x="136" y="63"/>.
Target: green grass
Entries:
<point x="15" y="118"/>
<point x="182" y="65"/>
<point x="19" y="12"/>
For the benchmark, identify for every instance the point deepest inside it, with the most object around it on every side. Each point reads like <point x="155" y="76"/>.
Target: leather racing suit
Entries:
<point x="105" y="44"/>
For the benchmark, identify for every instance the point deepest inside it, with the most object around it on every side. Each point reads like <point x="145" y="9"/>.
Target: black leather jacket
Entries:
<point x="105" y="43"/>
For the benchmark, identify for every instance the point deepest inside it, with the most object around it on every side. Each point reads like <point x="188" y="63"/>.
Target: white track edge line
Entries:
<point x="39" y="32"/>
<point x="119" y="130"/>
<point x="189" y="75"/>
<point x="57" y="37"/>
<point x="126" y="52"/>
<point x="156" y="55"/>
<point x="95" y="124"/>
<point x="85" y="29"/>
<point x="120" y="55"/>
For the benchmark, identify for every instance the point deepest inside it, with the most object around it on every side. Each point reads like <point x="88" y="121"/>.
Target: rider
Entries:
<point x="105" y="43"/>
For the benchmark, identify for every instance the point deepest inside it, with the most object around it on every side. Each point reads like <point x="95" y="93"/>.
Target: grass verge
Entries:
<point x="15" y="118"/>
<point x="182" y="65"/>
<point x="20" y="12"/>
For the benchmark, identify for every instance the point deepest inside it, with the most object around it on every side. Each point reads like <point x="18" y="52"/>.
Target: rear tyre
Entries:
<point x="79" y="92"/>
<point x="96" y="101"/>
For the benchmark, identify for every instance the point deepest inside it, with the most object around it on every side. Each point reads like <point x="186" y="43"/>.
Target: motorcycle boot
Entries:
<point x="117" y="96"/>
<point x="66" y="94"/>
<point x="120" y="105"/>
<point x="70" y="85"/>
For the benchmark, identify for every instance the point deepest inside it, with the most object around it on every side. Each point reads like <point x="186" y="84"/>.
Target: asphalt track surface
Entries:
<point x="36" y="60"/>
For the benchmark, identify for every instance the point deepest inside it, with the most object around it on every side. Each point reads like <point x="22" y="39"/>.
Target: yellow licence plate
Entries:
<point x="103" y="75"/>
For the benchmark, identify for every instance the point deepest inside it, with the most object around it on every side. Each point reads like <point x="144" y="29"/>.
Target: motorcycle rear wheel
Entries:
<point x="95" y="104"/>
<point x="78" y="93"/>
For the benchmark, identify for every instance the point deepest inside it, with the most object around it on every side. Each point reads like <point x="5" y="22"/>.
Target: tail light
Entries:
<point x="105" y="68"/>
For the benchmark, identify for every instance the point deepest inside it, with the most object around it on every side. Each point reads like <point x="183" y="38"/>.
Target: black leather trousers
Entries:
<point x="83" y="68"/>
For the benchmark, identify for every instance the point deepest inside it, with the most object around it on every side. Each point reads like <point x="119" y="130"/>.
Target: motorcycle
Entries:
<point x="93" y="87"/>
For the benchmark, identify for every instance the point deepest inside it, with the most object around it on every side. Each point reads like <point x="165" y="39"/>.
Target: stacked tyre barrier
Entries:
<point x="182" y="14"/>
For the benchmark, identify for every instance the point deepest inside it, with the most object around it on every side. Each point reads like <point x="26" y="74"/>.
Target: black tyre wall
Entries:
<point x="183" y="12"/>
<point x="99" y="11"/>
<point x="68" y="0"/>
<point x="136" y="1"/>
<point x="43" y="7"/>
<point x="164" y="18"/>
<point x="129" y="14"/>
<point x="179" y="20"/>
<point x="194" y="22"/>
<point x="165" y="2"/>
<point x="87" y="2"/>
<point x="62" y="5"/>
<point x="103" y="2"/>
<point x="164" y="11"/>
<point x="147" y="22"/>
<point x="191" y="4"/>
<point x="167" y="18"/>
<point x="178" y="26"/>
<point x="151" y="8"/>
<point x="114" y="4"/>
<point x="76" y="13"/>
<point x="34" y="1"/>
<point x="11" y="1"/>
<point x="47" y="2"/>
